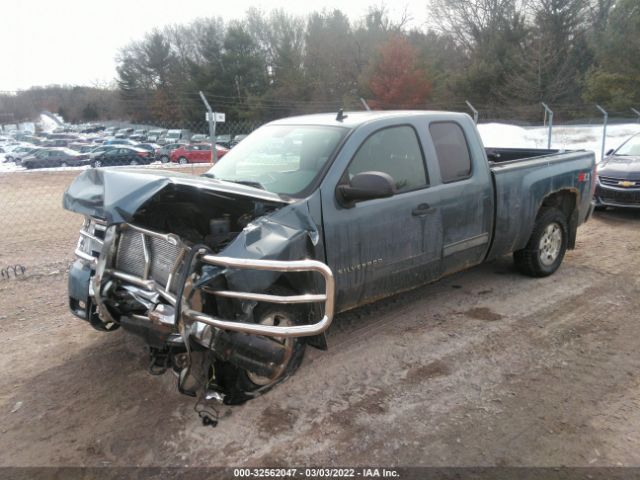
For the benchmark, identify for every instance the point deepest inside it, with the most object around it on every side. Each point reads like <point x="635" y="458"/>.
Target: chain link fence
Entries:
<point x="36" y="232"/>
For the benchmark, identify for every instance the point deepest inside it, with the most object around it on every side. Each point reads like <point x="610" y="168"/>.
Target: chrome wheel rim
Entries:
<point x="550" y="244"/>
<point x="282" y="321"/>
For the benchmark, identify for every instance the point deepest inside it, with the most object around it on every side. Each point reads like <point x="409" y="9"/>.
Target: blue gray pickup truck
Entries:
<point x="229" y="275"/>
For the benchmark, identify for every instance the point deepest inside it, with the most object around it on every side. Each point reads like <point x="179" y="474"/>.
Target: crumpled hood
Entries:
<point x="622" y="167"/>
<point x="115" y="194"/>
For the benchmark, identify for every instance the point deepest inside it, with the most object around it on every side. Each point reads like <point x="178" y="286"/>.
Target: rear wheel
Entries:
<point x="97" y="163"/>
<point x="183" y="161"/>
<point x="240" y="385"/>
<point x="164" y="159"/>
<point x="133" y="162"/>
<point x="64" y="164"/>
<point x="546" y="247"/>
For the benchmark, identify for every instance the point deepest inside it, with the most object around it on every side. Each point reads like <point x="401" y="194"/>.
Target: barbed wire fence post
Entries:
<point x="548" y="114"/>
<point x="475" y="112"/>
<point x="604" y="130"/>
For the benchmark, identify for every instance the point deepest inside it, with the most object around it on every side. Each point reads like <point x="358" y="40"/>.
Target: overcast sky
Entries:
<point x="44" y="42"/>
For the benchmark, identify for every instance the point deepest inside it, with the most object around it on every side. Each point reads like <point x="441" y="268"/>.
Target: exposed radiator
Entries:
<point x="134" y="248"/>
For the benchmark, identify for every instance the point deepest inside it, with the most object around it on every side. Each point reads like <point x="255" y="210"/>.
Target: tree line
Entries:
<point x="504" y="56"/>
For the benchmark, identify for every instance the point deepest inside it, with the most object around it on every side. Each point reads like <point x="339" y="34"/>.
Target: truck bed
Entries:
<point x="522" y="179"/>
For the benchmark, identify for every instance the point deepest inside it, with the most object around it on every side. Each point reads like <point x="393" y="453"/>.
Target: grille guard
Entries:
<point x="104" y="268"/>
<point x="274" y="265"/>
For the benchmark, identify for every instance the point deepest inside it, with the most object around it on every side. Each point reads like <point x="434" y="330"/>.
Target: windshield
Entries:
<point x="631" y="147"/>
<point x="282" y="159"/>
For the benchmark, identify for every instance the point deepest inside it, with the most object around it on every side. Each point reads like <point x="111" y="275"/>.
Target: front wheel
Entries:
<point x="547" y="245"/>
<point x="240" y="385"/>
<point x="183" y="161"/>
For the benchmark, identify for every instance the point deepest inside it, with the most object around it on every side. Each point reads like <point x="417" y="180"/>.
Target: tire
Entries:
<point x="97" y="164"/>
<point x="134" y="162"/>
<point x="238" y="384"/>
<point x="63" y="165"/>
<point x="164" y="159"/>
<point x="183" y="161"/>
<point x="546" y="247"/>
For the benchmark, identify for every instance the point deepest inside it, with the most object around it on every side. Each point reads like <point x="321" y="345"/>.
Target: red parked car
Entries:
<point x="196" y="153"/>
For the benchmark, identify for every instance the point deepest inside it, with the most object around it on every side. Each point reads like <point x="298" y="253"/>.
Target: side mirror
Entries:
<point x="366" y="186"/>
<point x="609" y="152"/>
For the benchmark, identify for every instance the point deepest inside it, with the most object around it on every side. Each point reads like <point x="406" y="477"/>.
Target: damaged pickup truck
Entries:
<point x="229" y="275"/>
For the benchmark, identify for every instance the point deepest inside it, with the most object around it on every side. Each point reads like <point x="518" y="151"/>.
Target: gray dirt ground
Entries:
<point x="486" y="367"/>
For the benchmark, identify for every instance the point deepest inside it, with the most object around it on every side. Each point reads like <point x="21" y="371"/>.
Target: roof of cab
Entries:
<point x="355" y="119"/>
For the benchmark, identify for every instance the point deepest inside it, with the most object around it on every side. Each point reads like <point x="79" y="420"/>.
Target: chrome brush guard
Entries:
<point x="159" y="259"/>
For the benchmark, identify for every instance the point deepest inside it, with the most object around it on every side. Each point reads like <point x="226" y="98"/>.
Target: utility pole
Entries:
<point x="212" y="129"/>
<point x="365" y="104"/>
<point x="637" y="113"/>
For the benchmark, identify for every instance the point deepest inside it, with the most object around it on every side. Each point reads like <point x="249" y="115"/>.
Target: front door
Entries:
<point x="382" y="246"/>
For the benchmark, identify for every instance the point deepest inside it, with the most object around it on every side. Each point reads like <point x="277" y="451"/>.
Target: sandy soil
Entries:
<point x="486" y="367"/>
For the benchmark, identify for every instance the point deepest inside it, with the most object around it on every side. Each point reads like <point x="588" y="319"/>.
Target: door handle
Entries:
<point x="422" y="209"/>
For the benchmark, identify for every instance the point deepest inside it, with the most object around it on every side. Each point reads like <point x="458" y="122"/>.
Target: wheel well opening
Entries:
<point x="565" y="201"/>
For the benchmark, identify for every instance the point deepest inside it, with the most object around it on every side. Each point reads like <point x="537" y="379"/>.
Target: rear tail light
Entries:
<point x="143" y="154"/>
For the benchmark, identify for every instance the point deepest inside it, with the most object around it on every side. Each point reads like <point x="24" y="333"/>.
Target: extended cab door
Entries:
<point x="385" y="245"/>
<point x="465" y="190"/>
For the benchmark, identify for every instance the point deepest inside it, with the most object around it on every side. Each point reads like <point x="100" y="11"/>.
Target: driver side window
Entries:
<point x="394" y="151"/>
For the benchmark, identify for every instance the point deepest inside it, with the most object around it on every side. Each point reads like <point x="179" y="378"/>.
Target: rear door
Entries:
<point x="465" y="192"/>
<point x="386" y="245"/>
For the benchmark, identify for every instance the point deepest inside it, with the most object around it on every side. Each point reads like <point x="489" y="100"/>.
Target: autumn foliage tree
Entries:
<point x="397" y="81"/>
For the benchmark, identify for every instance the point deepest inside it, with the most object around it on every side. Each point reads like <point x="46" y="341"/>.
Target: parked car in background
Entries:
<point x="122" y="155"/>
<point x="19" y="152"/>
<point x="139" y="135"/>
<point x="164" y="155"/>
<point x="101" y="149"/>
<point x="199" y="138"/>
<point x="174" y="136"/>
<point x="238" y="138"/>
<point x="224" y="140"/>
<point x="618" y="177"/>
<point x="124" y="133"/>
<point x="155" y="136"/>
<point x="54" y="157"/>
<point x="152" y="148"/>
<point x="197" y="153"/>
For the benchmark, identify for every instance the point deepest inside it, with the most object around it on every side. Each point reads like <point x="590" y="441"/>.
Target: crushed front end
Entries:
<point x="222" y="287"/>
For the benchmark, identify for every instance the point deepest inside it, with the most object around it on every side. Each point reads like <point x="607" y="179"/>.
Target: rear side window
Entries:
<point x="394" y="151"/>
<point x="452" y="151"/>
